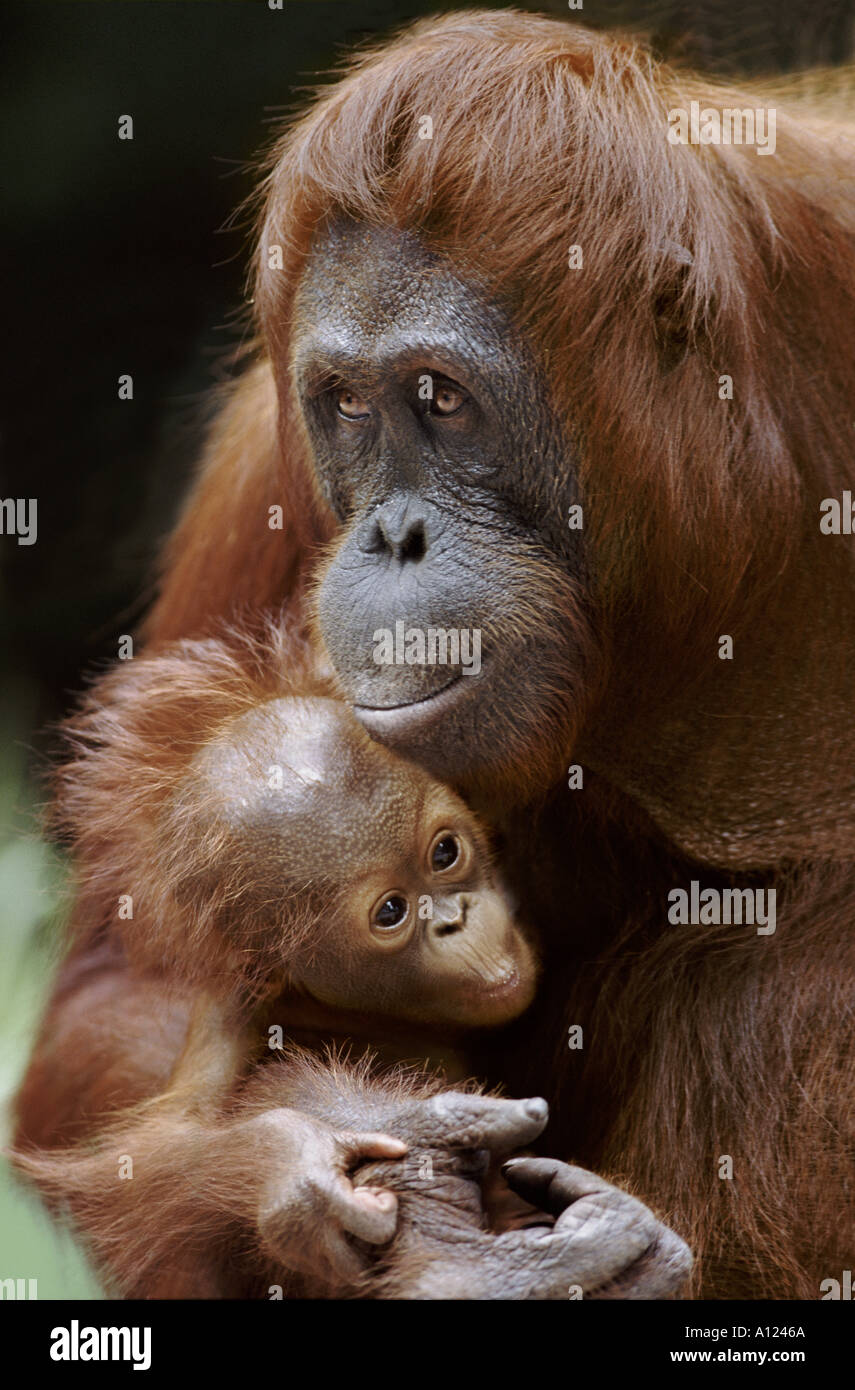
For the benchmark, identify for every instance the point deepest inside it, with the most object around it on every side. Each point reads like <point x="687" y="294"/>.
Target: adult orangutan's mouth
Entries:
<point x="416" y="716"/>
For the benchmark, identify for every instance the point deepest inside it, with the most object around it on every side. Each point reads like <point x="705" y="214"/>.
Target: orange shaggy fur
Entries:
<point x="702" y="517"/>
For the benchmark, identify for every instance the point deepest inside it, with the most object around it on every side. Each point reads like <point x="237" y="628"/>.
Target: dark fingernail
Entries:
<point x="537" y="1108"/>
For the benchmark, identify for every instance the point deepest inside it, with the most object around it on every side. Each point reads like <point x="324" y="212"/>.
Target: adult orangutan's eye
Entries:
<point x="350" y="406"/>
<point x="447" y="399"/>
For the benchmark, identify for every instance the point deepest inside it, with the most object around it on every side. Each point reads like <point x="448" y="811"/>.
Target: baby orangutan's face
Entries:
<point x="407" y="917"/>
<point x="423" y="931"/>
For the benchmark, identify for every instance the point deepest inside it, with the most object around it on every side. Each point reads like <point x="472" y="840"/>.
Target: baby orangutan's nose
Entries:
<point x="449" y="914"/>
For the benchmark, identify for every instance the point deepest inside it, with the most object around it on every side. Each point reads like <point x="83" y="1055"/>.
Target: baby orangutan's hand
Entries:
<point x="308" y="1205"/>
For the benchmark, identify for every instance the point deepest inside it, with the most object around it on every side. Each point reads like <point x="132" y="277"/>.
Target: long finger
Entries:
<point x="477" y="1122"/>
<point x="368" y="1213"/>
<point x="551" y="1185"/>
<point x="356" y="1145"/>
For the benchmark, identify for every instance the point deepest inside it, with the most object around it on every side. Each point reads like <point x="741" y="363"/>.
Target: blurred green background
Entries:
<point x="123" y="259"/>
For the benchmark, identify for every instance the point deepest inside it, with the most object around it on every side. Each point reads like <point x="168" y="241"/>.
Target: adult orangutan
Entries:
<point x="495" y="298"/>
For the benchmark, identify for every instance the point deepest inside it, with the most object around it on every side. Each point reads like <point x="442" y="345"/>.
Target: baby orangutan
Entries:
<point x="325" y="865"/>
<point x="329" y="864"/>
<point x="285" y="853"/>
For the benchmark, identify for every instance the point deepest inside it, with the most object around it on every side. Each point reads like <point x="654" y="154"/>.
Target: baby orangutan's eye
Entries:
<point x="445" y="853"/>
<point x="391" y="912"/>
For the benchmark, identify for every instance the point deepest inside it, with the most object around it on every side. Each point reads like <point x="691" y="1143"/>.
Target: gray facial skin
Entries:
<point x="454" y="509"/>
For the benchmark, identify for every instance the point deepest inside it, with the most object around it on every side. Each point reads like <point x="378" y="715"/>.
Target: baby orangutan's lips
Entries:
<point x="503" y="983"/>
<point x="497" y="998"/>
